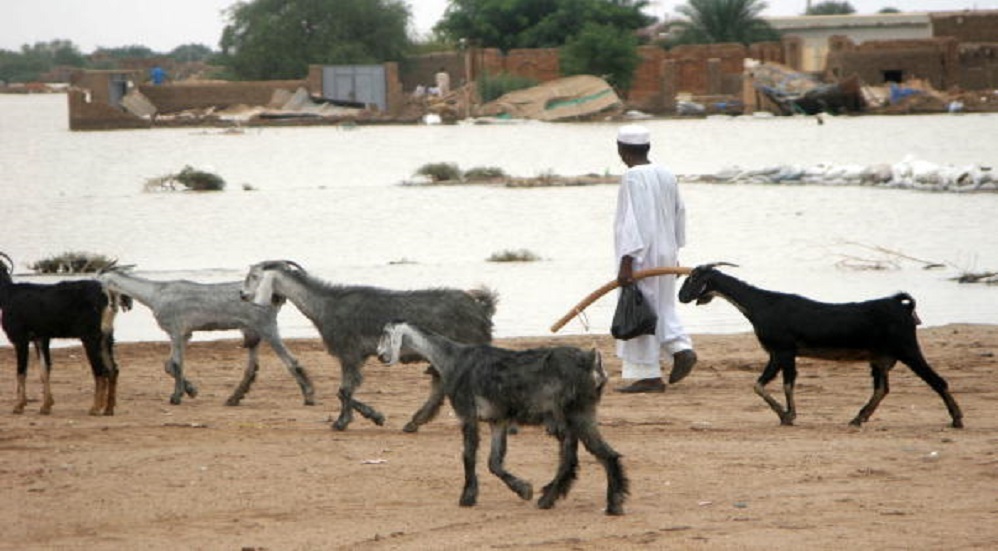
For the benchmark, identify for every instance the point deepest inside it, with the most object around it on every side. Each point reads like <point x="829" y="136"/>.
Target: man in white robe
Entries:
<point x="649" y="229"/>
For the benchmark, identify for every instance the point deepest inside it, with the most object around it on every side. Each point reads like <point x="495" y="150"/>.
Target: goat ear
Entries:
<point x="265" y="291"/>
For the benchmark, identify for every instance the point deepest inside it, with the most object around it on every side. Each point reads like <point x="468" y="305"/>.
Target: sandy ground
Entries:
<point x="710" y="466"/>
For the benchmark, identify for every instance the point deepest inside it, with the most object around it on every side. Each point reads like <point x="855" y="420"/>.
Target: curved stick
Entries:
<point x="593" y="296"/>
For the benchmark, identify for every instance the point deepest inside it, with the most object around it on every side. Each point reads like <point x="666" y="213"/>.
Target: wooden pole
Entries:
<point x="609" y="286"/>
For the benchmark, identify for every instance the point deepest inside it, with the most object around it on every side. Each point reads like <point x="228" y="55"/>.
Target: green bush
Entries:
<point x="188" y="178"/>
<point x="199" y="180"/>
<point x="72" y="263"/>
<point x="521" y="255"/>
<point x="440" y="172"/>
<point x="484" y="173"/>
<point x="491" y="87"/>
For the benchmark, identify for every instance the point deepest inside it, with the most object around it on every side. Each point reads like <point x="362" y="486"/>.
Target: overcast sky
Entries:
<point x="162" y="25"/>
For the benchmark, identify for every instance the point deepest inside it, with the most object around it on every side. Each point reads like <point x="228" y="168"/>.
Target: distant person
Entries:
<point x="442" y="79"/>
<point x="649" y="229"/>
<point x="158" y="75"/>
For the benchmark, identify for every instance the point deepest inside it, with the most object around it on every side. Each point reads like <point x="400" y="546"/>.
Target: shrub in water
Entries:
<point x="440" y="172"/>
<point x="484" y="173"/>
<point x="522" y="255"/>
<point x="72" y="263"/>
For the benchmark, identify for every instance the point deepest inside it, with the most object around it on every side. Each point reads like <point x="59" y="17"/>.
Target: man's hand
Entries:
<point x="625" y="274"/>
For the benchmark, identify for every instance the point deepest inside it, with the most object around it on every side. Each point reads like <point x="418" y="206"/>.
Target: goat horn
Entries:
<point x="713" y="265"/>
<point x="109" y="267"/>
<point x="295" y="265"/>
<point x="8" y="262"/>
<point x="609" y="286"/>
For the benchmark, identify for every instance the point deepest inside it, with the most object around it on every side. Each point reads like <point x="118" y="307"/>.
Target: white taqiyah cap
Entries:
<point x="634" y="134"/>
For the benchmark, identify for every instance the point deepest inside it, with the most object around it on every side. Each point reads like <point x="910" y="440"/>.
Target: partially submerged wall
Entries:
<point x="174" y="98"/>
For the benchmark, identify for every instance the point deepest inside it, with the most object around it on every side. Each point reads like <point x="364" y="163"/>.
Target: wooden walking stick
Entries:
<point x="593" y="296"/>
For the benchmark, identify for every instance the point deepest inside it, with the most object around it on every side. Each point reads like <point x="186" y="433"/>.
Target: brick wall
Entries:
<point x="171" y="98"/>
<point x="975" y="26"/>
<point x="935" y="60"/>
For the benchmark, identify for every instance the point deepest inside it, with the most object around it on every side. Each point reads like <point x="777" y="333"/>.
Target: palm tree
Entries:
<point x="716" y="21"/>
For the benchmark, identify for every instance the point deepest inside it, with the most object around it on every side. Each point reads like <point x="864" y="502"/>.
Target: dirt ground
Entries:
<point x="709" y="464"/>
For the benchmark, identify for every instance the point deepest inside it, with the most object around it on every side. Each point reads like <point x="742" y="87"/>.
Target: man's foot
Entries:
<point x="682" y="364"/>
<point x="644" y="386"/>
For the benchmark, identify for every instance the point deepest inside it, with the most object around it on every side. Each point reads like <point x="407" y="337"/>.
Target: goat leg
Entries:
<point x="617" y="485"/>
<point x="348" y="403"/>
<point x="429" y="410"/>
<point x="293" y="367"/>
<point x="22" y="396"/>
<point x="768" y="374"/>
<point x="881" y="387"/>
<point x="100" y="394"/>
<point x="497" y="458"/>
<point x="922" y="368"/>
<point x="21" y="349"/>
<point x="249" y="376"/>
<point x="469" y="495"/>
<point x="568" y="466"/>
<point x="46" y="375"/>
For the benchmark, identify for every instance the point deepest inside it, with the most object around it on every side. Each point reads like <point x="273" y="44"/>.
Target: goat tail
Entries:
<point x="908" y="302"/>
<point x="488" y="298"/>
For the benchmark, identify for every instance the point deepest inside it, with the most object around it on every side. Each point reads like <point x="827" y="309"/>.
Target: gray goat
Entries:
<point x="557" y="387"/>
<point x="881" y="331"/>
<point x="38" y="313"/>
<point x="182" y="307"/>
<point x="350" y="319"/>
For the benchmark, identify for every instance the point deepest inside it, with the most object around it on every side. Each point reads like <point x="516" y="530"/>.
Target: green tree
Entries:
<point x="889" y="10"/>
<point x="34" y="60"/>
<point x="602" y="50"/>
<point x="276" y="39"/>
<point x="830" y="7"/>
<point x="134" y="51"/>
<point x="191" y="52"/>
<point x="508" y="24"/>
<point x="718" y="21"/>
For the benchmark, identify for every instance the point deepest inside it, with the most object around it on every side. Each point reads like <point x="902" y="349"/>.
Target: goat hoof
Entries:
<point x="615" y="510"/>
<point x="175" y="400"/>
<point x="340" y="424"/>
<point x="468" y="501"/>
<point x="378" y="419"/>
<point x="957" y="423"/>
<point x="309" y="401"/>
<point x="410" y="427"/>
<point x="232" y="401"/>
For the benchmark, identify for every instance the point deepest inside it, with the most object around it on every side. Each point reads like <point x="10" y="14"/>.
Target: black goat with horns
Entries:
<point x="881" y="331"/>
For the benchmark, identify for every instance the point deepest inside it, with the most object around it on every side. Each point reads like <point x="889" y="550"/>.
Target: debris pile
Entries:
<point x="909" y="173"/>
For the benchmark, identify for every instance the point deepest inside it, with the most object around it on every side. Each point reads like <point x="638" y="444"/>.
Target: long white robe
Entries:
<point x="650" y="226"/>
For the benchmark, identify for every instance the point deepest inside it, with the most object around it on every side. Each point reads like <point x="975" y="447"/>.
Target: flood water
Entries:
<point x="329" y="198"/>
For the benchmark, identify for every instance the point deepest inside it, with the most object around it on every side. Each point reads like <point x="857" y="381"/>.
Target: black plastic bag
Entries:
<point x="634" y="315"/>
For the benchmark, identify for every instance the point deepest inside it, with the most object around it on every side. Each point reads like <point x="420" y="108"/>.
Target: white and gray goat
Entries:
<point x="182" y="307"/>
<point x="37" y="313"/>
<point x="881" y="331"/>
<point x="558" y="388"/>
<point x="350" y="319"/>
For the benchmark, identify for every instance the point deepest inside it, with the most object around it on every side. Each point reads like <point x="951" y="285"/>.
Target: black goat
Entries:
<point x="556" y="387"/>
<point x="881" y="331"/>
<point x="70" y="309"/>
<point x="350" y="319"/>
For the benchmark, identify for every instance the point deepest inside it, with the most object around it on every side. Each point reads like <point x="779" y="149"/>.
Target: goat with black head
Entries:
<point x="881" y="331"/>
<point x="38" y="313"/>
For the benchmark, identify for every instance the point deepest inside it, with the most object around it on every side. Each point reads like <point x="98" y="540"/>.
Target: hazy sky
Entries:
<point x="165" y="24"/>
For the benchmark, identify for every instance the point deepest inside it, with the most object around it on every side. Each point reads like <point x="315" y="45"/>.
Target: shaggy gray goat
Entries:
<point x="38" y="313"/>
<point x="350" y="319"/>
<point x="881" y="331"/>
<point x="557" y="387"/>
<point x="182" y="307"/>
